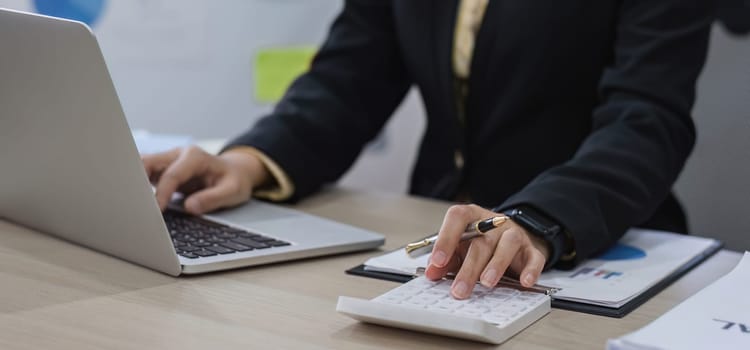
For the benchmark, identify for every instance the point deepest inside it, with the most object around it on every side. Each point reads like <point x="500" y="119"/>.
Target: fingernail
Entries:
<point x="528" y="280"/>
<point x="489" y="277"/>
<point x="438" y="258"/>
<point x="460" y="289"/>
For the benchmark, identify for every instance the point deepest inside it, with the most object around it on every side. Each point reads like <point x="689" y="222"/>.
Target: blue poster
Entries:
<point x="86" y="11"/>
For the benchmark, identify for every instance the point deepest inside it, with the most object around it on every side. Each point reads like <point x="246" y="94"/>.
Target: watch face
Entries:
<point x="534" y="222"/>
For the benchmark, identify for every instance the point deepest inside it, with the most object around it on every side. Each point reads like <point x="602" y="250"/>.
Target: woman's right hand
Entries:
<point x="209" y="182"/>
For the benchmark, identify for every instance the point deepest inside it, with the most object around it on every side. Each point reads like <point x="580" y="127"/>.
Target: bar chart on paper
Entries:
<point x="639" y="260"/>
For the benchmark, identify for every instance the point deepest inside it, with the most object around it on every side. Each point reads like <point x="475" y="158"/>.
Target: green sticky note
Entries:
<point x="274" y="69"/>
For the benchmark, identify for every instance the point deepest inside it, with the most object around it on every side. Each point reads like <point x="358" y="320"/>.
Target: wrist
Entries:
<point x="268" y="179"/>
<point x="546" y="232"/>
<point x="541" y="245"/>
<point x="251" y="167"/>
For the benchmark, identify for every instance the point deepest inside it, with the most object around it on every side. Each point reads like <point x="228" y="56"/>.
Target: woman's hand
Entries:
<point x="209" y="182"/>
<point x="485" y="258"/>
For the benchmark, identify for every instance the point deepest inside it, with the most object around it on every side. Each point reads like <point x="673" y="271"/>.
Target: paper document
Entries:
<point x="397" y="262"/>
<point x="717" y="317"/>
<point x="148" y="142"/>
<point x="637" y="262"/>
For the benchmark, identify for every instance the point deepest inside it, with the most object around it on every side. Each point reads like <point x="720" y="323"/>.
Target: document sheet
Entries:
<point x="639" y="260"/>
<point x="717" y="317"/>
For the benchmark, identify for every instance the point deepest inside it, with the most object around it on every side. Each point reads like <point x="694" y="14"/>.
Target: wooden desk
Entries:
<point x="56" y="295"/>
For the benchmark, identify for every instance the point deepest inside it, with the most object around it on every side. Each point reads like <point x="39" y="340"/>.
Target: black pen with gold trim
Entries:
<point x="474" y="230"/>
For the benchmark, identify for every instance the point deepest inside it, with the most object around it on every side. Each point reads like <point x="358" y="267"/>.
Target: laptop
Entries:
<point x="70" y="168"/>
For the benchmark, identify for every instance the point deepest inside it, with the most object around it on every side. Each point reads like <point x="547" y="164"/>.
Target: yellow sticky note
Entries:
<point x="274" y="69"/>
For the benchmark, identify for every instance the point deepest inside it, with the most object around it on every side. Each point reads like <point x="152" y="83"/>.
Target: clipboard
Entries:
<point x="582" y="306"/>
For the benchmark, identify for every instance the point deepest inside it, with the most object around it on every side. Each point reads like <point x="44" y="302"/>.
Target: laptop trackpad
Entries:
<point x="289" y="225"/>
<point x="254" y="212"/>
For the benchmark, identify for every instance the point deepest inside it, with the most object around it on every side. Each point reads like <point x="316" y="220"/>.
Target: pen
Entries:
<point x="507" y="281"/>
<point x="476" y="229"/>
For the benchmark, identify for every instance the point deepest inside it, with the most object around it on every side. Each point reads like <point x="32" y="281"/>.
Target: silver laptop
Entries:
<point x="69" y="167"/>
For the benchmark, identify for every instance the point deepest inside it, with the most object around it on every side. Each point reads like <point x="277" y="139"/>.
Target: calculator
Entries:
<point x="490" y="315"/>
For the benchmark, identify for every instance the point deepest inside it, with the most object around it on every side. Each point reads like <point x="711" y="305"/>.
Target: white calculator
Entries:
<point x="489" y="315"/>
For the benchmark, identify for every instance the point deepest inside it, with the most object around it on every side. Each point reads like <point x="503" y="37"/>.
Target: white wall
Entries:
<point x="184" y="66"/>
<point x="715" y="185"/>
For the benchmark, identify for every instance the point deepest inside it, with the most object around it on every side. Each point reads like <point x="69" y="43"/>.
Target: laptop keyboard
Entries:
<point x="195" y="237"/>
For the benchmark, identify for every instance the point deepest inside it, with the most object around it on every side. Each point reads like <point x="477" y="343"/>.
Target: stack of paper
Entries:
<point x="717" y="317"/>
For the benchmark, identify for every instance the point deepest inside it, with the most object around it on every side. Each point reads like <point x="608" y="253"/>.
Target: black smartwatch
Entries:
<point x="543" y="227"/>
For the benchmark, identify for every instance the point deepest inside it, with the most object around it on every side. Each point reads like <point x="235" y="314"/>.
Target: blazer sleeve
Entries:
<point x="642" y="130"/>
<point x="328" y="114"/>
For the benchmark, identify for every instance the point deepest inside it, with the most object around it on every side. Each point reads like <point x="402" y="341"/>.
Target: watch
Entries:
<point x="545" y="228"/>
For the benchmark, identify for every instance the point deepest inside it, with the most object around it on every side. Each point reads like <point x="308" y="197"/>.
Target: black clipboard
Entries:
<point x="580" y="306"/>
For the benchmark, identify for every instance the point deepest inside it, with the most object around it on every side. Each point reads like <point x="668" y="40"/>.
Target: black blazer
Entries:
<point x="579" y="108"/>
